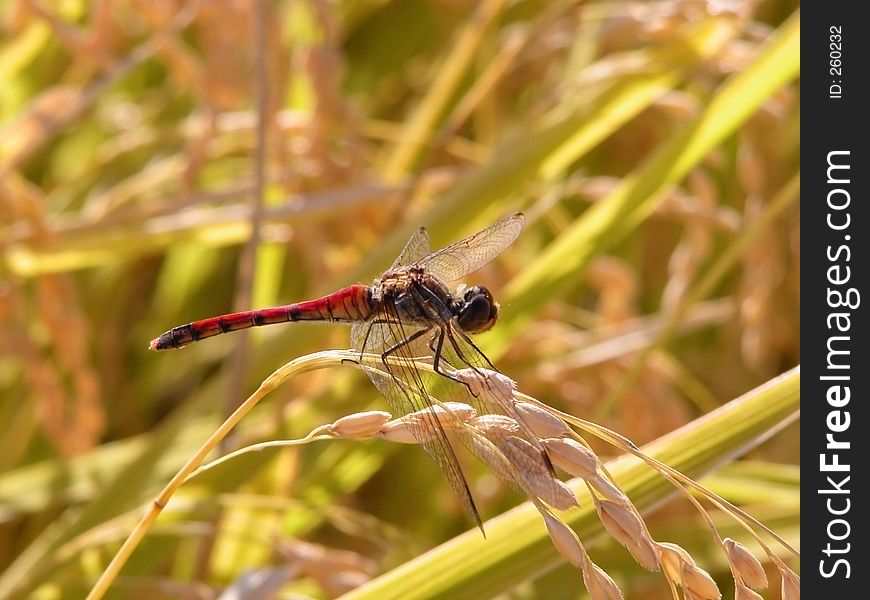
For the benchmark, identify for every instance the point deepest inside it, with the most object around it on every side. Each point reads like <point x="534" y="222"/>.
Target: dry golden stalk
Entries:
<point x="695" y="243"/>
<point x="750" y="167"/>
<point x="630" y="531"/>
<point x="791" y="585"/>
<point x="745" y="564"/>
<point x="617" y="285"/>
<point x="361" y="425"/>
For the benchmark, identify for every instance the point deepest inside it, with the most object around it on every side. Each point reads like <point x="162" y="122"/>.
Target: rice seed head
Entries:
<point x="553" y="492"/>
<point x="741" y="592"/>
<point x="572" y="457"/>
<point x="697" y="581"/>
<point x="608" y="489"/>
<point x="531" y="468"/>
<point x="487" y="383"/>
<point x="680" y="567"/>
<point x="672" y="558"/>
<point x="791" y="585"/>
<point x="565" y="540"/>
<point x="599" y="584"/>
<point x="630" y="531"/>
<point x="450" y="411"/>
<point x="523" y="455"/>
<point x="397" y="431"/>
<point x="493" y="457"/>
<point x="495" y="426"/>
<point x="619" y="521"/>
<point x="417" y="426"/>
<point x="361" y="425"/>
<point x="747" y="566"/>
<point x="644" y="552"/>
<point x="541" y="422"/>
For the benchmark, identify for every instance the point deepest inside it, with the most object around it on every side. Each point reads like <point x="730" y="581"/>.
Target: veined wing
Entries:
<point x="468" y="255"/>
<point x="416" y="248"/>
<point x="407" y="390"/>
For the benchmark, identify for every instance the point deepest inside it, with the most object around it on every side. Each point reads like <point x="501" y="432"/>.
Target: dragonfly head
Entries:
<point x="476" y="311"/>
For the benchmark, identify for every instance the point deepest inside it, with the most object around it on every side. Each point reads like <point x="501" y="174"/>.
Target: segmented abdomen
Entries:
<point x="353" y="303"/>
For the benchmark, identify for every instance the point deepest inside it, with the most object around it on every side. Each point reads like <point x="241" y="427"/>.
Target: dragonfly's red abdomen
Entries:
<point x="350" y="304"/>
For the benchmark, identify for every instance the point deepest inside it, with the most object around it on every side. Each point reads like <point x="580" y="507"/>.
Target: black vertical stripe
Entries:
<point x="358" y="315"/>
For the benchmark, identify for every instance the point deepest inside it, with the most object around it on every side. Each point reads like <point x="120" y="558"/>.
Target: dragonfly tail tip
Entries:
<point x="159" y="343"/>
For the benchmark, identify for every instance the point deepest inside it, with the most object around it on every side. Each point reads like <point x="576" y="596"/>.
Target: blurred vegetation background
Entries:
<point x="654" y="147"/>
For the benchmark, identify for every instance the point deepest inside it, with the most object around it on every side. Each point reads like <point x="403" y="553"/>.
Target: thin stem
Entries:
<point x="311" y="437"/>
<point x="248" y="259"/>
<point x="306" y="363"/>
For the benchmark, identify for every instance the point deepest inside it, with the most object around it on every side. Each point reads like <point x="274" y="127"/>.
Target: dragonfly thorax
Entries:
<point x="418" y="297"/>
<point x="476" y="311"/>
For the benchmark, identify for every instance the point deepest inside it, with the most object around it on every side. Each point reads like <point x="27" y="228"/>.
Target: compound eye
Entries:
<point x="479" y="312"/>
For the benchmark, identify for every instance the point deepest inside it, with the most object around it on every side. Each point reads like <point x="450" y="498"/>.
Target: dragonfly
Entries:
<point x="409" y="313"/>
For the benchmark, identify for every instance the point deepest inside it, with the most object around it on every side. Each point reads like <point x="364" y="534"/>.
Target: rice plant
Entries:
<point x="165" y="162"/>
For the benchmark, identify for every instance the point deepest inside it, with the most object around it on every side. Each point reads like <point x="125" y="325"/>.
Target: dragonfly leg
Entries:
<point x="371" y="325"/>
<point x="438" y="341"/>
<point x="480" y="353"/>
<point x="396" y="347"/>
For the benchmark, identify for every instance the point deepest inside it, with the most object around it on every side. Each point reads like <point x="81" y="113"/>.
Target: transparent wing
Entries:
<point x="407" y="390"/>
<point x="466" y="256"/>
<point x="416" y="248"/>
